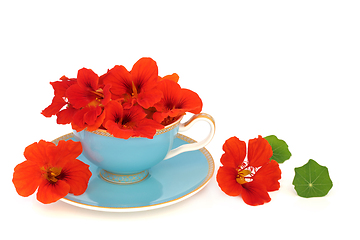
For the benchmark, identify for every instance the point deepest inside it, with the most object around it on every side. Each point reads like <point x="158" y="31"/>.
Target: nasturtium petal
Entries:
<point x="312" y="180"/>
<point x="280" y="149"/>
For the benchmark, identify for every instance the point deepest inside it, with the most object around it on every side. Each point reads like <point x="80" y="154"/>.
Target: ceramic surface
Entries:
<point x="168" y="182"/>
<point x="134" y="155"/>
<point x="126" y="156"/>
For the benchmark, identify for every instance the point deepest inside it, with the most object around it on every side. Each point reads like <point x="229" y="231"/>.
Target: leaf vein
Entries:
<point x="303" y="178"/>
<point x="319" y="175"/>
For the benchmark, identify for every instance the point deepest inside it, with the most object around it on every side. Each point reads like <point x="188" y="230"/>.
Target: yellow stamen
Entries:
<point x="99" y="93"/>
<point x="134" y="93"/>
<point x="52" y="173"/>
<point x="97" y="100"/>
<point x="240" y="178"/>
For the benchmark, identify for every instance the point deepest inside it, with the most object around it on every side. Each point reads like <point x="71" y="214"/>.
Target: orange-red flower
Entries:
<point x="87" y="91"/>
<point x="53" y="170"/>
<point x="59" y="100"/>
<point x="176" y="101"/>
<point x="252" y="178"/>
<point x="86" y="101"/>
<point x="136" y="86"/>
<point x="126" y="123"/>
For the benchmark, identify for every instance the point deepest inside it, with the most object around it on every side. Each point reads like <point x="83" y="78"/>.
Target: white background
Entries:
<point x="289" y="68"/>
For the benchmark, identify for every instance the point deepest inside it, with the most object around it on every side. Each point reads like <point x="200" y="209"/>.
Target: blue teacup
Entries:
<point x="126" y="161"/>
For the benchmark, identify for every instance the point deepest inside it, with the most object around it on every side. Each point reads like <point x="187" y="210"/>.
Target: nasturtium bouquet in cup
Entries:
<point x="125" y="103"/>
<point x="123" y="110"/>
<point x="115" y="116"/>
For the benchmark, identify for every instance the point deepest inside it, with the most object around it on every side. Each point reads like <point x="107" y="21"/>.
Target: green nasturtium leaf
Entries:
<point x="312" y="180"/>
<point x="280" y="149"/>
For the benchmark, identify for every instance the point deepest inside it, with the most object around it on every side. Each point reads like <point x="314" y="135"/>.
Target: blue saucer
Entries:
<point x="169" y="182"/>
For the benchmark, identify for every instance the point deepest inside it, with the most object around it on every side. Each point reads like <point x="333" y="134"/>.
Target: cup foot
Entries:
<point x="123" y="179"/>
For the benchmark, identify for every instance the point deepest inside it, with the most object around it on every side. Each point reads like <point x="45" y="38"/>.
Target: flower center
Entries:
<point x="127" y="121"/>
<point x="98" y="95"/>
<point x="169" y="105"/>
<point x="52" y="174"/>
<point x="240" y="178"/>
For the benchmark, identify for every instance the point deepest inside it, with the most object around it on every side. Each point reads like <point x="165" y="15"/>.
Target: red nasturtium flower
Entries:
<point x="126" y="123"/>
<point x="88" y="97"/>
<point x="136" y="86"/>
<point x="176" y="101"/>
<point x="252" y="178"/>
<point x="53" y="170"/>
<point x="87" y="91"/>
<point x="84" y="97"/>
<point x="64" y="116"/>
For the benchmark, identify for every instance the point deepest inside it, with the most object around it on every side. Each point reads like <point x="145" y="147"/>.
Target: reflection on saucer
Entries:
<point x="132" y="195"/>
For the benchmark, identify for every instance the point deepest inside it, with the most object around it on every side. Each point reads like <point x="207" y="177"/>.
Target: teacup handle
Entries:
<point x="198" y="145"/>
